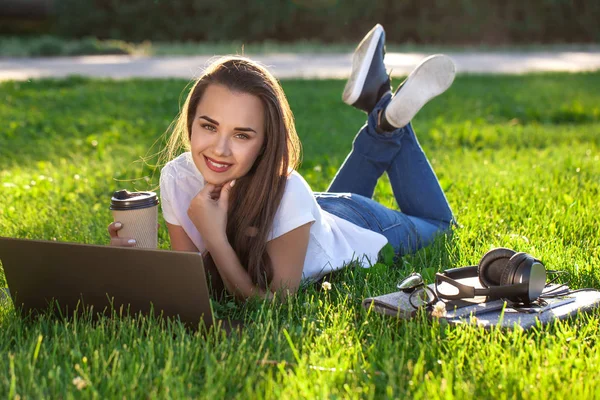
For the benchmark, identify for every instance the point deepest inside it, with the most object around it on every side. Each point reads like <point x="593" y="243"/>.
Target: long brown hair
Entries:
<point x="255" y="198"/>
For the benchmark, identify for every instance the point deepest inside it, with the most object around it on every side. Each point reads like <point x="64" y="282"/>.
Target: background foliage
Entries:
<point x="419" y="21"/>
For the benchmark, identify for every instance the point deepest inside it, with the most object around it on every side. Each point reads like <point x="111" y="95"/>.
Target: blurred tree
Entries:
<point x="420" y="21"/>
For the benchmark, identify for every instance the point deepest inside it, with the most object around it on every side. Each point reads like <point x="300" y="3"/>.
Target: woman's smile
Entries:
<point x="216" y="166"/>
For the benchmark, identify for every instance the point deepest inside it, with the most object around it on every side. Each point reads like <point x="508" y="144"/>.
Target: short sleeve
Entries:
<point x="166" y="195"/>
<point x="297" y="207"/>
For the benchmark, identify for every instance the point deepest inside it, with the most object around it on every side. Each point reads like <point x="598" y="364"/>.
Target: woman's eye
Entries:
<point x="209" y="127"/>
<point x="242" y="136"/>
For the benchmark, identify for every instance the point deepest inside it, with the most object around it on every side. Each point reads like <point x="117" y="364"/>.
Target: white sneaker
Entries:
<point x="430" y="78"/>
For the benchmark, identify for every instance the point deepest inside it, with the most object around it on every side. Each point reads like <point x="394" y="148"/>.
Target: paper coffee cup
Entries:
<point x="138" y="212"/>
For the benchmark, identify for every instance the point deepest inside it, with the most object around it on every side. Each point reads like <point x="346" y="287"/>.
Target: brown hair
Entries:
<point x="255" y="198"/>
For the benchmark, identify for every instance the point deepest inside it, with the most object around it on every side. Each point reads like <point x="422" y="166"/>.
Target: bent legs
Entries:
<point x="424" y="209"/>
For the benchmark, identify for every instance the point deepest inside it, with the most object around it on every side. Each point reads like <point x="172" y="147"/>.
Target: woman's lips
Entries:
<point x="216" y="166"/>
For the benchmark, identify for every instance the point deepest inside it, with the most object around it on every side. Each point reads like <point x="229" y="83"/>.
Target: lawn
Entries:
<point x="518" y="156"/>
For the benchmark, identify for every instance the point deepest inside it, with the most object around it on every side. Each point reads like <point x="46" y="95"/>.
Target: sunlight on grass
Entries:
<point x="518" y="157"/>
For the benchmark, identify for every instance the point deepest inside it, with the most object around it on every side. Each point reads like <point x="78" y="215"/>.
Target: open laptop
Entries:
<point x="169" y="282"/>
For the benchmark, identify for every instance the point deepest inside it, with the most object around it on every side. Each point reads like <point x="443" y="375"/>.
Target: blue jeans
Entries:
<point x="425" y="212"/>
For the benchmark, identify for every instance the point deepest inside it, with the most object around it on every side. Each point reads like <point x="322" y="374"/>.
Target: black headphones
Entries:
<point x="503" y="273"/>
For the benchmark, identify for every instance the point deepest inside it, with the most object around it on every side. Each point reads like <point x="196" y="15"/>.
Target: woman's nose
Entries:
<point x="221" y="146"/>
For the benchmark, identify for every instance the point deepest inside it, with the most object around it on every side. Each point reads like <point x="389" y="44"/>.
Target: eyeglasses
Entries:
<point x="421" y="295"/>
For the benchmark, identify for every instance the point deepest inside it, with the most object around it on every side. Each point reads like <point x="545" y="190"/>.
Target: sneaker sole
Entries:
<point x="361" y="63"/>
<point x="429" y="79"/>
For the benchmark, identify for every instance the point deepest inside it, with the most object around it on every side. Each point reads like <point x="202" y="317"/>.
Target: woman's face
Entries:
<point x="227" y="134"/>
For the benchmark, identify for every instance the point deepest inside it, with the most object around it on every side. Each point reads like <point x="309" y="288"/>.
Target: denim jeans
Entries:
<point x="425" y="212"/>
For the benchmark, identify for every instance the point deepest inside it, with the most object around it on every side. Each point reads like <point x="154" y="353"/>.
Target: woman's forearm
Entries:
<point x="235" y="277"/>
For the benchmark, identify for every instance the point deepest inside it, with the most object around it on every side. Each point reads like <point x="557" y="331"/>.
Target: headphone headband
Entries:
<point x="521" y="277"/>
<point x="465" y="291"/>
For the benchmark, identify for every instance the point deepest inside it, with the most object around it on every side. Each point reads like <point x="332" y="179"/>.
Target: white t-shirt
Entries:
<point x="333" y="242"/>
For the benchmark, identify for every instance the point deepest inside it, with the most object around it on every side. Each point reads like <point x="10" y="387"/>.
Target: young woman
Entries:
<point x="235" y="196"/>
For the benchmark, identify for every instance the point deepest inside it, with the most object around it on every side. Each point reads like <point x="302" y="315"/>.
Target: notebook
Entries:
<point x="489" y="313"/>
<point x="76" y="276"/>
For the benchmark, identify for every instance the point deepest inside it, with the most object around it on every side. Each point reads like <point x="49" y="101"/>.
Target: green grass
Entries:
<point x="518" y="157"/>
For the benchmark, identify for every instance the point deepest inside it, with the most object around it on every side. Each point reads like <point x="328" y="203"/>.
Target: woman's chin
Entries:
<point x="217" y="181"/>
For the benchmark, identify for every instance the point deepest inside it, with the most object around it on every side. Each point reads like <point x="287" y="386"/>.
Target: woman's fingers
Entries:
<point x="115" y="240"/>
<point x="114" y="228"/>
<point x="224" y="193"/>
<point x="207" y="189"/>
<point x="216" y="193"/>
<point x="122" y="242"/>
<point x="211" y="191"/>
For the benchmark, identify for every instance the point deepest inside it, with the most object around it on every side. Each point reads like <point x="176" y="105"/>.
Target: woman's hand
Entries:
<point x="208" y="212"/>
<point x="115" y="240"/>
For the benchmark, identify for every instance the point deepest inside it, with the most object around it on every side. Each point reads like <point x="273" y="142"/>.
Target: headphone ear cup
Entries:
<point x="508" y="274"/>
<point x="520" y="269"/>
<point x="492" y="266"/>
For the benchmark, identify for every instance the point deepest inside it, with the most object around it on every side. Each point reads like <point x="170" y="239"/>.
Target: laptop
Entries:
<point x="71" y="275"/>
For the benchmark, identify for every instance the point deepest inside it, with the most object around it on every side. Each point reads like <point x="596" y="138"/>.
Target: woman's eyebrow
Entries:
<point x="244" y="129"/>
<point x="212" y="121"/>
